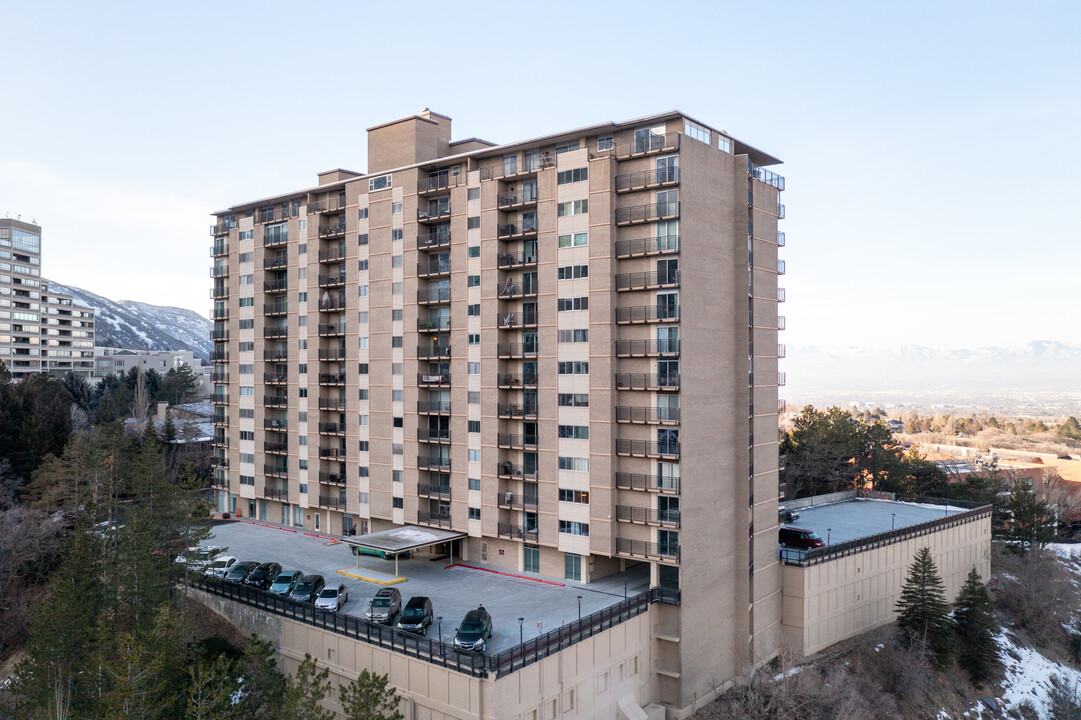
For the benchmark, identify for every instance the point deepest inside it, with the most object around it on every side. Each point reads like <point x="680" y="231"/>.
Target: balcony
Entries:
<point x="436" y="324"/>
<point x="435" y="183"/>
<point x="780" y="322"/>
<point x="220" y="248"/>
<point x="434" y="213"/>
<point x="780" y="294"/>
<point x="276" y="308"/>
<point x="513" y="441"/>
<point x="331" y="303"/>
<point x="428" y="518"/>
<point x="219" y="335"/>
<point x="278" y="471"/>
<point x="780" y="211"/>
<point x="436" y="491"/>
<point x="280" y="378"/>
<point x="222" y="228"/>
<point x="219" y="270"/>
<point x="517" y="532"/>
<point x="647" y="415"/>
<point x="331" y="453"/>
<point x="332" y="230"/>
<point x="647" y="516"/>
<point x="438" y="265"/>
<point x="275" y="331"/>
<point x="513" y="231"/>
<point x="332" y="478"/>
<point x="276" y="286"/>
<point x="332" y="378"/>
<point x="274" y="215"/>
<point x="333" y="280"/>
<point x="220" y="399"/>
<point x="221" y="313"/>
<point x="334" y="254"/>
<point x="647" y="348"/>
<point x="648" y="483"/>
<point x="333" y="503"/>
<point x="780" y="379"/>
<point x="646" y="314"/>
<point x="782" y="406"/>
<point x="514" y="501"/>
<point x="511" y="201"/>
<point x="517" y="350"/>
<point x="433" y="379"/>
<point x="650" y="212"/>
<point x="275" y="401"/>
<point x="273" y="237"/>
<point x="219" y="375"/>
<point x="517" y="380"/>
<point x="437" y="463"/>
<point x="219" y="480"/>
<point x="648" y="145"/>
<point x="332" y="329"/>
<point x="647" y="448"/>
<point x="513" y="410"/>
<point x="433" y="351"/>
<point x="275" y="447"/>
<point x="427" y="241"/>
<point x="661" y="177"/>
<point x="509" y="289"/>
<point x="432" y="435"/>
<point x="433" y="407"/>
<point x="516" y="320"/>
<point x="780" y="267"/>
<point x="331" y="354"/>
<point x="780" y="239"/>
<point x="273" y="493"/>
<point x="276" y="355"/>
<point x="647" y="280"/>
<point x="646" y="382"/>
<point x="219" y="461"/>
<point x="515" y="260"/>
<point x="508" y="470"/>
<point x="767" y="176"/>
<point x="329" y="428"/>
<point x="782" y="350"/>
<point x="326" y="205"/>
<point x="278" y="424"/>
<point x="332" y="404"/>
<point x="219" y="291"/>
<point x="636" y="548"/>
<point x="276" y="261"/>
<point x="433" y="295"/>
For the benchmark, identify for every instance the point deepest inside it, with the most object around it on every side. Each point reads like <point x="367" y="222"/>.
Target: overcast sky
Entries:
<point x="931" y="149"/>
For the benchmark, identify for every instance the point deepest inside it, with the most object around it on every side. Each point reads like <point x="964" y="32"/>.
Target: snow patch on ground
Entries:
<point x="1028" y="677"/>
<point x="789" y="673"/>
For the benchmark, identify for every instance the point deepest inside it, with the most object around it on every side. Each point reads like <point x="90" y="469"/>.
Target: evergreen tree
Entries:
<point x="975" y="622"/>
<point x="168" y="430"/>
<point x="1032" y="524"/>
<point x="922" y="618"/>
<point x="307" y="688"/>
<point x="211" y="686"/>
<point x="369" y="698"/>
<point x="262" y="693"/>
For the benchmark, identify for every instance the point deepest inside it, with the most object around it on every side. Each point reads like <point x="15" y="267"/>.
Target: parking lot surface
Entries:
<point x="453" y="590"/>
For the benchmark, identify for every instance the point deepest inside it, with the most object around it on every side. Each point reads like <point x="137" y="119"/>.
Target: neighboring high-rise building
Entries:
<point x="40" y="330"/>
<point x="564" y="348"/>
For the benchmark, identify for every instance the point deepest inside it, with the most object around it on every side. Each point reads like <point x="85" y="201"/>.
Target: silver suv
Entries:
<point x="384" y="607"/>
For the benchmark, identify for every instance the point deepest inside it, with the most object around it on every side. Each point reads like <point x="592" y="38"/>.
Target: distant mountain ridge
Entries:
<point x="142" y="326"/>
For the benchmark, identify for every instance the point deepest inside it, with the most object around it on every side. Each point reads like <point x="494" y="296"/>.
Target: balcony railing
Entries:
<point x="517" y="350"/>
<point x="426" y="241"/>
<point x="331" y="404"/>
<point x="654" y="551"/>
<point x="276" y="470"/>
<point x="767" y="176"/>
<point x="517" y="380"/>
<point x="518" y="259"/>
<point x="275" y="447"/>
<point x="507" y="469"/>
<point x="433" y="324"/>
<point x="273" y="493"/>
<point x="331" y="453"/>
<point x="431" y="435"/>
<point x="433" y="214"/>
<point x="508" y="200"/>
<point x="333" y="254"/>
<point x="276" y="308"/>
<point x="648" y="179"/>
<point x="514" y="440"/>
<point x="273" y="239"/>
<point x="332" y="478"/>
<point x="515" y="230"/>
<point x="440" y="182"/>
<point x="780" y="238"/>
<point x="219" y="335"/>
<point x="334" y="503"/>
<point x="780" y="322"/>
<point x="219" y="354"/>
<point x="219" y="375"/>
<point x="276" y="354"/>
<point x="651" y="212"/>
<point x="517" y="532"/>
<point x="780" y="379"/>
<point x="332" y="329"/>
<point x="652" y="143"/>
<point x="648" y="516"/>
<point x="432" y="379"/>
<point x="433" y="350"/>
<point x="276" y="400"/>
<point x="273" y="262"/>
<point x="329" y="428"/>
<point x="649" y="483"/>
<point x="513" y="410"/>
<point x="780" y="211"/>
<point x="425" y="517"/>
<point x="646" y="314"/>
<point x="647" y="348"/>
<point x="332" y="230"/>
<point x="220" y="399"/>
<point x="435" y="266"/>
<point x="275" y="331"/>
<point x="647" y="280"/>
<point x="514" y="501"/>
<point x="331" y="354"/>
<point x="647" y="448"/>
<point x="276" y="378"/>
<point x="332" y="378"/>
<point x="433" y="295"/>
<point x="433" y="407"/>
<point x="438" y="463"/>
<point x="221" y="229"/>
<point x="512" y="320"/>
<point x="641" y="247"/>
<point x="332" y="280"/>
<point x="273" y="423"/>
<point x="439" y="491"/>
<point x="328" y="204"/>
<point x="652" y="415"/>
<point x="275" y="285"/>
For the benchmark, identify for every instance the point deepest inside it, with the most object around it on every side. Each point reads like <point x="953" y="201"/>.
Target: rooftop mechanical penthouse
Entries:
<point x="563" y="349"/>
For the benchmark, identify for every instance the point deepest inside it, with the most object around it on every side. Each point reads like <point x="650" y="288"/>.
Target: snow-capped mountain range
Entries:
<point x="139" y="325"/>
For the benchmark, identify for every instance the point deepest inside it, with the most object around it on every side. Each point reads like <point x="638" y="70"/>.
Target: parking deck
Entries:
<point x="853" y="519"/>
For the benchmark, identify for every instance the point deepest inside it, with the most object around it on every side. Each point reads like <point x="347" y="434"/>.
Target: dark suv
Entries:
<point x="417" y="615"/>
<point x="240" y="571"/>
<point x="476" y="625"/>
<point x="799" y="538"/>
<point x="308" y="588"/>
<point x="263" y="576"/>
<point x="386" y="604"/>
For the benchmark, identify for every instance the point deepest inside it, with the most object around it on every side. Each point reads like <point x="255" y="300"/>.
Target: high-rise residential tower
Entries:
<point x="564" y="348"/>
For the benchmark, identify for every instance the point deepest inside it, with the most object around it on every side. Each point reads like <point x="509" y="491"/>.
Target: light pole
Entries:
<point x="521" y="631"/>
<point x="624" y="588"/>
<point x="579" y="608"/>
<point x="893" y="521"/>
<point x="828" y="531"/>
<point x="439" y="619"/>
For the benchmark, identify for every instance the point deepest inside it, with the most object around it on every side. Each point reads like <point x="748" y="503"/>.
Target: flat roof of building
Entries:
<point x="401" y="539"/>
<point x="863" y="517"/>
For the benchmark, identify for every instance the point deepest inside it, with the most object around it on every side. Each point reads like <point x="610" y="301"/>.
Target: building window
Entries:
<point x="362" y="239"/>
<point x="247" y="257"/>
<point x="474" y="483"/>
<point x="362" y="317"/>
<point x="396" y="368"/>
<point x="362" y="213"/>
<point x="566" y="177"/>
<point x="605" y="143"/>
<point x="474" y="251"/>
<point x="362" y="290"/>
<point x="473" y="310"/>
<point x="247" y="279"/>
<point x="247" y="301"/>
<point x="362" y="265"/>
<point x="570" y="527"/>
<point x="379" y="183"/>
<point x="474" y="368"/>
<point x="574" y="464"/>
<point x="474" y="456"/>
<point x="247" y="434"/>
<point x="396" y="396"/>
<point x="573" y="400"/>
<point x="566" y="147"/>
<point x="247" y="391"/>
<point x="578" y="303"/>
<point x="395" y="208"/>
<point x="531" y="559"/>
<point x="574" y="496"/>
<point x="574" y="432"/>
<point x="363" y="498"/>
<point x="363" y="420"/>
<point x="302" y="297"/>
<point x="247" y="479"/>
<point x="473" y="281"/>
<point x="396" y="235"/>
<point x="396" y="341"/>
<point x="303" y="466"/>
<point x="398" y="502"/>
<point x="396" y="288"/>
<point x="572" y="272"/>
<point x="247" y="413"/>
<point x="247" y="234"/>
<point x="574" y="207"/>
<point x="398" y="422"/>
<point x="473" y="397"/>
<point x="575" y="240"/>
<point x="474" y="426"/>
<point x="362" y="368"/>
<point x="363" y="445"/>
<point x="572" y="564"/>
<point x="396" y="475"/>
<point x="474" y="513"/>
<point x="575" y="367"/>
<point x="473" y="194"/>
<point x="725" y="144"/>
<point x="474" y="338"/>
<point x="362" y="343"/>
<point x="573" y="336"/>
<point x="473" y="223"/>
<point x="302" y="368"/>
<point x="247" y="457"/>
<point x="395" y="314"/>
<point x="696" y="131"/>
<point x="362" y="471"/>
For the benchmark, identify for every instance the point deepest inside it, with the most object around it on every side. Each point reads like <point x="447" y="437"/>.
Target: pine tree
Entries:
<point x="369" y="698"/>
<point x="921" y="610"/>
<point x="262" y="693"/>
<point x="1032" y="524"/>
<point x="975" y="623"/>
<point x="307" y="688"/>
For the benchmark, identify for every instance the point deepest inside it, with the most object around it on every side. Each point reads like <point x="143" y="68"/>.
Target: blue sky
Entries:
<point x="931" y="149"/>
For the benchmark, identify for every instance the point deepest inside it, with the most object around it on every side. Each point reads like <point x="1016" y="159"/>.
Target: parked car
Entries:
<point x="332" y="598"/>
<point x="417" y="615"/>
<point x="799" y="538"/>
<point x="285" y="582"/>
<point x="475" y="627"/>
<point x="199" y="556"/>
<point x="308" y="589"/>
<point x="262" y="576"/>
<point x="384" y="606"/>
<point x="219" y="566"/>
<point x="239" y="572"/>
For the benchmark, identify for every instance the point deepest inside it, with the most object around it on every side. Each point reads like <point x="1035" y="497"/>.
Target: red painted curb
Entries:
<point x="252" y="522"/>
<point x="500" y="572"/>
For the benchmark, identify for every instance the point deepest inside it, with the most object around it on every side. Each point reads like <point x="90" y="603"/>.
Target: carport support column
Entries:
<point x="396" y="565"/>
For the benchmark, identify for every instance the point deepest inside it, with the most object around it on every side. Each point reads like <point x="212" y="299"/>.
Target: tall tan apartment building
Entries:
<point x="564" y="348"/>
<point x="41" y="331"/>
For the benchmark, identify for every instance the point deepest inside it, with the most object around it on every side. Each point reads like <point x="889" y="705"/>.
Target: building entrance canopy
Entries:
<point x="404" y="539"/>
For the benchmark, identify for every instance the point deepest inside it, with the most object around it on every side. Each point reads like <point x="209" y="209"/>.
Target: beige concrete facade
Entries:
<point x="41" y="331"/>
<point x="500" y="340"/>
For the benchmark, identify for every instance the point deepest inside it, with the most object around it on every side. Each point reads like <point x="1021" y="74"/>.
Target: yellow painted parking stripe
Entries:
<point x="353" y="573"/>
